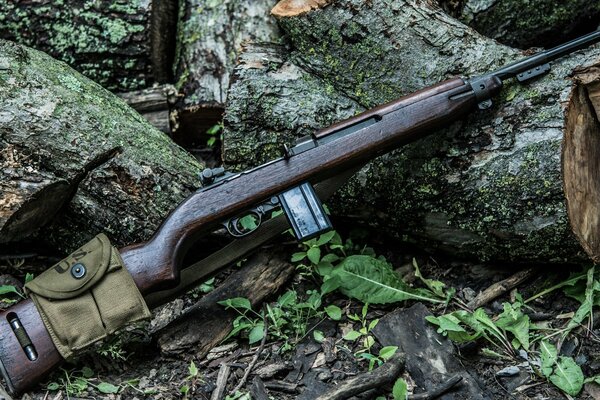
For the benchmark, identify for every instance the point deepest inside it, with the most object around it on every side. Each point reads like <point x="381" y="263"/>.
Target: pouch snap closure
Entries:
<point x="78" y="270"/>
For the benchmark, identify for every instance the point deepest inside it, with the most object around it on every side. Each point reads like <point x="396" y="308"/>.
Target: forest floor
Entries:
<point x="315" y="342"/>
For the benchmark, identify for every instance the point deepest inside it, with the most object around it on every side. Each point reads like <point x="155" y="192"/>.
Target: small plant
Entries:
<point x="215" y="133"/>
<point x="367" y="340"/>
<point x="288" y="318"/>
<point x="76" y="382"/>
<point x="511" y="331"/>
<point x="193" y="378"/>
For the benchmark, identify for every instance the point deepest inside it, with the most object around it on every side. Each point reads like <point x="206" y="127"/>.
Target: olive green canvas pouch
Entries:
<point x="86" y="296"/>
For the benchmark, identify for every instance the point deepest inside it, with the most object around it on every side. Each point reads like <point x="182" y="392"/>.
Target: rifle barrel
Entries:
<point x="544" y="57"/>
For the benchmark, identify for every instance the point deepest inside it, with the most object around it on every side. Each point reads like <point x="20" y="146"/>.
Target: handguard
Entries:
<point x="86" y="297"/>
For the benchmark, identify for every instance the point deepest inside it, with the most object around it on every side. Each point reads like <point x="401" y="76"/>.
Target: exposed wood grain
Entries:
<point x="208" y="323"/>
<point x="292" y="8"/>
<point x="581" y="165"/>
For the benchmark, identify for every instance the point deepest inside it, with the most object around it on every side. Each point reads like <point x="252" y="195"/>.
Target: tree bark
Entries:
<point x="211" y="35"/>
<point x="207" y="323"/>
<point x="526" y="24"/>
<point x="120" y="45"/>
<point x="69" y="146"/>
<point x="488" y="187"/>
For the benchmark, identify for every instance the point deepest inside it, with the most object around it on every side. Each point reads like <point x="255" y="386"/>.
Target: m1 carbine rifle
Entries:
<point x="308" y="172"/>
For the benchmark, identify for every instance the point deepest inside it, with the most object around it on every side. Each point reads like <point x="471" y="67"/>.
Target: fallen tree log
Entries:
<point x="122" y="45"/>
<point x="488" y="187"/>
<point x="526" y="24"/>
<point x="209" y="40"/>
<point x="68" y="145"/>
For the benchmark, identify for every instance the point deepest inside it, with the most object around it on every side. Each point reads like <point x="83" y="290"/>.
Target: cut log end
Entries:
<point x="581" y="160"/>
<point x="293" y="8"/>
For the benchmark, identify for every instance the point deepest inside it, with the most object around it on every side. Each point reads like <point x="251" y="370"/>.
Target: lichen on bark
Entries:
<point x="488" y="187"/>
<point x="211" y="35"/>
<point x="107" y="41"/>
<point x="124" y="174"/>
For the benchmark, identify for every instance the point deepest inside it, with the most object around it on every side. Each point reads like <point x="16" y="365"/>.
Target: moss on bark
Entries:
<point x="124" y="174"/>
<point x="107" y="41"/>
<point x="488" y="187"/>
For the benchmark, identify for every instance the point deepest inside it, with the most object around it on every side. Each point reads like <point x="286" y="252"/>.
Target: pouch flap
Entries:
<point x="76" y="273"/>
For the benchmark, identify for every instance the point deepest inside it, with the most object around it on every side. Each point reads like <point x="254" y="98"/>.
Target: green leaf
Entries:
<point x="192" y="369"/>
<point x="352" y="335"/>
<point x="213" y="130"/>
<point x="330" y="258"/>
<point x="318" y="335"/>
<point x="514" y="321"/>
<point x="256" y="333"/>
<point x="107" y="388"/>
<point x="288" y="298"/>
<point x="5" y="289"/>
<point x="28" y="277"/>
<point x="437" y="287"/>
<point x="594" y="379"/>
<point x="585" y="309"/>
<point x="387" y="352"/>
<point x="373" y="324"/>
<point x="400" y="389"/>
<point x="314" y="255"/>
<point x="329" y="285"/>
<point x="87" y="372"/>
<point x="573" y="280"/>
<point x="52" y="386"/>
<point x="372" y="281"/>
<point x="325" y="238"/>
<point x="298" y="256"/>
<point x="449" y="325"/>
<point x="334" y="312"/>
<point x="548" y="355"/>
<point x="237" y="302"/>
<point x="567" y="376"/>
<point x="184" y="389"/>
<point x="324" y="268"/>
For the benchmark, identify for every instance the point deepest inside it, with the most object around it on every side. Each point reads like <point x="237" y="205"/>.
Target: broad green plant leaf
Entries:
<point x="514" y="321"/>
<point x="387" y="352"/>
<point x="318" y="336"/>
<point x="437" y="287"/>
<point x="352" y="335"/>
<point x="237" y="302"/>
<point x="567" y="376"/>
<point x="107" y="388"/>
<point x="400" y="389"/>
<point x="548" y="357"/>
<point x="449" y="325"/>
<point x="256" y="334"/>
<point x="5" y="289"/>
<point x="314" y="255"/>
<point x="334" y="312"/>
<point x="587" y="305"/>
<point x="371" y="280"/>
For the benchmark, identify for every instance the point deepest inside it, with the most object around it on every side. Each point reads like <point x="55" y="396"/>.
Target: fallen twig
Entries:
<point x="256" y="355"/>
<point x="387" y="373"/>
<point x="222" y="377"/>
<point x="438" y="391"/>
<point x="499" y="288"/>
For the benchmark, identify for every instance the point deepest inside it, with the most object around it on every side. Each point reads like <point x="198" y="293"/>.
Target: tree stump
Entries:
<point x="488" y="187"/>
<point x="122" y="45"/>
<point x="68" y="145"/>
<point x="530" y="23"/>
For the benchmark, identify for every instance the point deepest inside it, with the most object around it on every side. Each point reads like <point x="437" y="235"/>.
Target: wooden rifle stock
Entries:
<point x="155" y="265"/>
